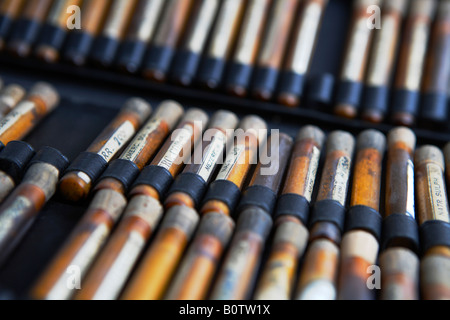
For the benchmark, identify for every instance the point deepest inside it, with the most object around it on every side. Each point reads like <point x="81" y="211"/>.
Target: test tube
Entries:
<point x="83" y="172"/>
<point x="9" y="11"/>
<point x="41" y="100"/>
<point x="188" y="57"/>
<point x="273" y="48"/>
<point x="28" y="26"/>
<point x="220" y="46"/>
<point x="166" y="39"/>
<point x="400" y="236"/>
<point x="380" y="72"/>
<point x="355" y="60"/>
<point x="291" y="218"/>
<point x="55" y="29"/>
<point x="141" y="31"/>
<point x="411" y="65"/>
<point x="300" y="52"/>
<point x="108" y="41"/>
<point x="79" y="42"/>
<point x="434" y="220"/>
<point x="244" y="57"/>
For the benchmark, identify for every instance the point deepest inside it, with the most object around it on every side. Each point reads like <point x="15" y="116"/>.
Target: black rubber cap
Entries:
<point x="105" y="50"/>
<point x="434" y="107"/>
<point x="364" y="218"/>
<point x="25" y="30"/>
<point x="291" y="83"/>
<point x="265" y="80"/>
<point x="406" y="101"/>
<point x="258" y="196"/>
<point x="225" y="191"/>
<point x="376" y="98"/>
<point x="328" y="211"/>
<point x="157" y="177"/>
<point x="5" y="25"/>
<point x="211" y="72"/>
<point x="52" y="36"/>
<point x="159" y="58"/>
<point x="191" y="184"/>
<point x="185" y="66"/>
<point x="90" y="163"/>
<point x="433" y="234"/>
<point x="122" y="170"/>
<point x="350" y="93"/>
<point x="78" y="47"/>
<point x="131" y="55"/>
<point x="239" y="75"/>
<point x="15" y="158"/>
<point x="293" y="205"/>
<point x="400" y="228"/>
<point x="321" y="89"/>
<point x="51" y="156"/>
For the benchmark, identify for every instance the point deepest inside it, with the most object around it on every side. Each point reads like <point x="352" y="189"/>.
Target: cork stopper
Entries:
<point x="47" y="93"/>
<point x="170" y="111"/>
<point x="224" y="120"/>
<point x="256" y="125"/>
<point x="313" y="133"/>
<point x="402" y="134"/>
<point x="430" y="154"/>
<point x="372" y="139"/>
<point x="139" y="106"/>
<point x="196" y="115"/>
<point x="341" y="141"/>
<point x="425" y="8"/>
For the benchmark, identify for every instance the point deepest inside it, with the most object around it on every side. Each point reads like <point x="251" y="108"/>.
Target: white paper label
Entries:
<point x="312" y="174"/>
<point x="212" y="155"/>
<point x="438" y="195"/>
<point x="231" y="161"/>
<point x="341" y="180"/>
<point x="139" y="143"/>
<point x="410" y="200"/>
<point x="125" y="132"/>
<point x="11" y="119"/>
<point x="183" y="137"/>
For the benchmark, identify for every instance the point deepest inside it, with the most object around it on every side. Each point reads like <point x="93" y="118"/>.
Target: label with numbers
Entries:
<point x="117" y="140"/>
<point x="139" y="143"/>
<point x="182" y="138"/>
<point x="15" y="115"/>
<point x="212" y="154"/>
<point x="438" y="195"/>
<point x="232" y="159"/>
